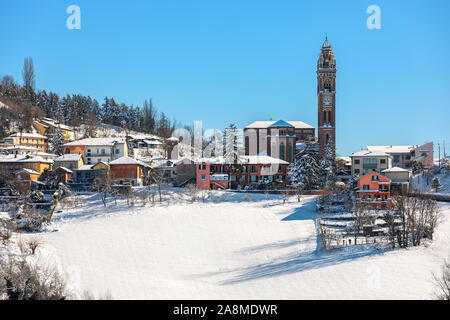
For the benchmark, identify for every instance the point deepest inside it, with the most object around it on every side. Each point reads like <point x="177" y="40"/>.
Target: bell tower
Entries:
<point x="326" y="94"/>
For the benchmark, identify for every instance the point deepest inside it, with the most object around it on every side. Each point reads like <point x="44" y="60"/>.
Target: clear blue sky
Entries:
<point x="238" y="61"/>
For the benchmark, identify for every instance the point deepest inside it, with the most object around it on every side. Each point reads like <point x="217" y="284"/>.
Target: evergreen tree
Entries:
<point x="328" y="166"/>
<point x="57" y="142"/>
<point x="233" y="145"/>
<point x="305" y="172"/>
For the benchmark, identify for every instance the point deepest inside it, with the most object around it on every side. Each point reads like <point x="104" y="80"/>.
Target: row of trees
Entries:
<point x="77" y="109"/>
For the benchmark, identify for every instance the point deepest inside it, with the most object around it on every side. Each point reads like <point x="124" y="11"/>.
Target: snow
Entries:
<point x="96" y="142"/>
<point x="68" y="157"/>
<point x="128" y="161"/>
<point x="395" y="169"/>
<point x="233" y="246"/>
<point x="419" y="183"/>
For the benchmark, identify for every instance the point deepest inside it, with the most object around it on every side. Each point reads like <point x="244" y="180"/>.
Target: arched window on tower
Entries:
<point x="327" y="86"/>
<point x="327" y="138"/>
<point x="282" y="152"/>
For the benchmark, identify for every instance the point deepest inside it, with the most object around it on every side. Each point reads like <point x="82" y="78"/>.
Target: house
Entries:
<point x="214" y="173"/>
<point x="400" y="179"/>
<point x="277" y="139"/>
<point x="126" y="170"/>
<point x="86" y="175"/>
<point x="49" y="127"/>
<point x="177" y="171"/>
<point x="12" y="163"/>
<point x="70" y="161"/>
<point x="96" y="150"/>
<point x="403" y="156"/>
<point x="63" y="174"/>
<point x="24" y="178"/>
<point x="366" y="161"/>
<point x="374" y="191"/>
<point x="34" y="140"/>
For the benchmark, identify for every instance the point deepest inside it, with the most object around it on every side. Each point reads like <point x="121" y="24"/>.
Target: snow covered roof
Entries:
<point x="395" y="169"/>
<point x="26" y="135"/>
<point x="64" y="169"/>
<point x="28" y="158"/>
<point x="390" y="149"/>
<point x="54" y="123"/>
<point x="96" y="142"/>
<point x="152" y="141"/>
<point x="68" y="157"/>
<point x="267" y="124"/>
<point x="23" y="148"/>
<point x="28" y="171"/>
<point x="281" y="124"/>
<point x="173" y="139"/>
<point x="261" y="159"/>
<point x="366" y="153"/>
<point x="128" y="161"/>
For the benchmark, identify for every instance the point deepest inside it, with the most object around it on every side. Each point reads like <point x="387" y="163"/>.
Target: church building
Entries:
<point x="280" y="139"/>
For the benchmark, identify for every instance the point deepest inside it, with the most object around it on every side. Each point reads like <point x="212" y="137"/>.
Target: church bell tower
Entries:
<point x="326" y="96"/>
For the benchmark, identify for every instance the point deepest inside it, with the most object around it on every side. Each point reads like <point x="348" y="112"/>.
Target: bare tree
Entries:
<point x="157" y="177"/>
<point x="29" y="82"/>
<point x="33" y="244"/>
<point x="361" y="218"/>
<point x="442" y="282"/>
<point x="192" y="191"/>
<point x="104" y="185"/>
<point x="20" y="280"/>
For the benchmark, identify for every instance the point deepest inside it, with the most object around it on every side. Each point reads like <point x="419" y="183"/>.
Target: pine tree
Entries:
<point x="57" y="142"/>
<point x="305" y="172"/>
<point x="233" y="145"/>
<point x="328" y="166"/>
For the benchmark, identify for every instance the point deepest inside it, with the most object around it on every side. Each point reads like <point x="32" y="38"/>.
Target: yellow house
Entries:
<point x="48" y="127"/>
<point x="12" y="164"/>
<point x="28" y="139"/>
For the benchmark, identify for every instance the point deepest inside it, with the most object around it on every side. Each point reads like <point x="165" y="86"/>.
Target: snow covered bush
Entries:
<point x="5" y="235"/>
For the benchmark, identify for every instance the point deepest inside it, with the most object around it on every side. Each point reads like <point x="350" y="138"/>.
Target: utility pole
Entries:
<point x="439" y="155"/>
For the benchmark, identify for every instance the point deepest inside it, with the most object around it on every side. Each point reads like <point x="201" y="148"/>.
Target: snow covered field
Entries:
<point x="228" y="248"/>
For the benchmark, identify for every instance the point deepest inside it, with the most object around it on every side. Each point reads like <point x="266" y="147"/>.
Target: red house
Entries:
<point x="374" y="190"/>
<point x="214" y="173"/>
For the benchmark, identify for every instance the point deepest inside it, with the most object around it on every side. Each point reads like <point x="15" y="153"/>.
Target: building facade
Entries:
<point x="374" y="190"/>
<point x="34" y="140"/>
<point x="96" y="150"/>
<point x="277" y="139"/>
<point x="364" y="162"/>
<point x="255" y="170"/>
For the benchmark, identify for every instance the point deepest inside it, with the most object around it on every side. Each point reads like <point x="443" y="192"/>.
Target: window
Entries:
<point x="382" y="161"/>
<point x="103" y="151"/>
<point x="366" y="187"/>
<point x="253" y="169"/>
<point x="202" y="167"/>
<point x="356" y="161"/>
<point x="374" y="178"/>
<point x="282" y="151"/>
<point x="117" y="151"/>
<point x="396" y="158"/>
<point x="253" y="178"/>
<point x="356" y="171"/>
<point x="408" y="157"/>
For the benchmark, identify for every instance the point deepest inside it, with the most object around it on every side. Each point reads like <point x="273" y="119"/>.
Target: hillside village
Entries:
<point x="47" y="163"/>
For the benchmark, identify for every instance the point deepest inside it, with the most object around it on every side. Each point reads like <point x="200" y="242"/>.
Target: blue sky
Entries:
<point x="238" y="61"/>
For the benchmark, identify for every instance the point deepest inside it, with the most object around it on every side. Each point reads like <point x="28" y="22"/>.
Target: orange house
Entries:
<point x="126" y="170"/>
<point x="374" y="190"/>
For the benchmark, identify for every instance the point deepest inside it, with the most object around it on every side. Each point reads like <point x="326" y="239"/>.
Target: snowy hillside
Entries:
<point x="227" y="248"/>
<point x="419" y="182"/>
